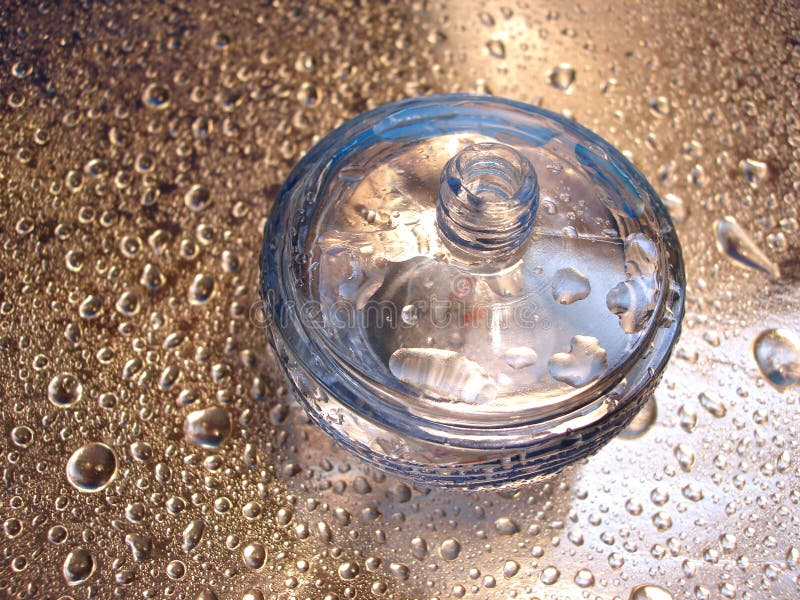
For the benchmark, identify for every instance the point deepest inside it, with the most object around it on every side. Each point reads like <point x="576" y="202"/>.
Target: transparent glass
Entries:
<point x="469" y="291"/>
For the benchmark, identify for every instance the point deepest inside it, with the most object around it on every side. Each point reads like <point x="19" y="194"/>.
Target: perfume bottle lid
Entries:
<point x="470" y="272"/>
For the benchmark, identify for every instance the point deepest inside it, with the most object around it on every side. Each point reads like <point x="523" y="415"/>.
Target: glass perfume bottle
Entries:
<point x="469" y="291"/>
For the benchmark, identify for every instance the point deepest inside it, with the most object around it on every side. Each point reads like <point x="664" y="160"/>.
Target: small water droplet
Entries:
<point x="496" y="48"/>
<point x="197" y="198"/>
<point x="192" y="534"/>
<point x="562" y="76"/>
<point x="676" y="208"/>
<point x="201" y="289"/>
<point x="156" y="96"/>
<point x="419" y="548"/>
<point x="712" y="404"/>
<point x="754" y="171"/>
<point x="410" y="314"/>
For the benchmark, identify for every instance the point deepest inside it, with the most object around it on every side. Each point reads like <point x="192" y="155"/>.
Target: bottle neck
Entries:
<point x="488" y="196"/>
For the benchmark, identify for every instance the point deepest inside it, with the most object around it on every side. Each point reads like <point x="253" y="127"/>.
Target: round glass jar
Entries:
<point x="469" y="291"/>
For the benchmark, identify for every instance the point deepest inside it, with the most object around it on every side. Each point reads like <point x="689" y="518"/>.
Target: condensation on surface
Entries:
<point x="151" y="448"/>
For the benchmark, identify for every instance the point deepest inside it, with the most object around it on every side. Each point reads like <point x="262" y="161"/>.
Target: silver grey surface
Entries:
<point x="141" y="148"/>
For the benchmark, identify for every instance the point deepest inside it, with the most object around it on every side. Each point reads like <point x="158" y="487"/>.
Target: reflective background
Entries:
<point x="150" y="447"/>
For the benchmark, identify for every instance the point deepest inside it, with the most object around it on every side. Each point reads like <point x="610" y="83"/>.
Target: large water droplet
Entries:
<point x="64" y="390"/>
<point x="254" y="556"/>
<point x="208" y="427"/>
<point x="78" y="566"/>
<point x="777" y="354"/>
<point x="520" y="357"/>
<point x="649" y="591"/>
<point x="92" y="467"/>
<point x="736" y="245"/>
<point x="570" y="285"/>
<point x="585" y="362"/>
<point x="450" y="549"/>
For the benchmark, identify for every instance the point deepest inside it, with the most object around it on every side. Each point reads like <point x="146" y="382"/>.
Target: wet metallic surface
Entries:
<point x="141" y="148"/>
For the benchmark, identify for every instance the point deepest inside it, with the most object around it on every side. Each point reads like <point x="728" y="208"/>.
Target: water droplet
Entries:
<point x="687" y="418"/>
<point x="585" y="362"/>
<point x="152" y="278"/>
<point x="584" y="578"/>
<point x="197" y="198"/>
<point x="141" y="546"/>
<point x="207" y="427"/>
<point x="754" y="171"/>
<point x="349" y="570"/>
<point x="128" y="304"/>
<point x="399" y="570"/>
<point x="510" y="568"/>
<point x="92" y="467"/>
<point x="78" y="566"/>
<point x="712" y="404"/>
<point x="201" y="289"/>
<point x="549" y="575"/>
<point x="570" y="285"/>
<point x="410" y="314"/>
<point x="156" y="96"/>
<point x="520" y="357"/>
<point x="777" y="354"/>
<point x="649" y="591"/>
<point x="736" y="245"/>
<point x="662" y="521"/>
<point x="91" y="307"/>
<point x="64" y="390"/>
<point x="562" y="76"/>
<point x="192" y="534"/>
<point x="506" y="526"/>
<point x="419" y="548"/>
<point x="659" y="106"/>
<point x="22" y="436"/>
<point x="254" y="556"/>
<point x="450" y="549"/>
<point x="176" y="570"/>
<point x="496" y="48"/>
<point x="685" y="456"/>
